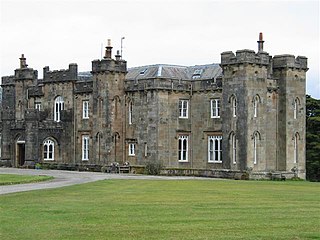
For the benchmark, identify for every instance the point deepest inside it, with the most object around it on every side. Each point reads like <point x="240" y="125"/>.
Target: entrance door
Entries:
<point x="21" y="154"/>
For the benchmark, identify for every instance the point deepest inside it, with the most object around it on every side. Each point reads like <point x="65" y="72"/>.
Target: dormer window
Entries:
<point x="143" y="71"/>
<point x="197" y="73"/>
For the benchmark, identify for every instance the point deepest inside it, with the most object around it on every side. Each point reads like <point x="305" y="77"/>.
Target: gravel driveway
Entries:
<point x="67" y="178"/>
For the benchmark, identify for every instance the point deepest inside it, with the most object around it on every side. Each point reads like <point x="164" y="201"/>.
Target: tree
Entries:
<point x="313" y="138"/>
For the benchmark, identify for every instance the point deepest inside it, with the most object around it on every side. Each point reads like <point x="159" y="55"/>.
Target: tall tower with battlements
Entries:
<point x="263" y="116"/>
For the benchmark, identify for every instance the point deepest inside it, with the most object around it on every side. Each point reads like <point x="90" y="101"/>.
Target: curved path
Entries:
<point x="67" y="178"/>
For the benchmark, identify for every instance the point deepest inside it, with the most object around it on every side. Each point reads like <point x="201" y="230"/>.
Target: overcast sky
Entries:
<point x="56" y="33"/>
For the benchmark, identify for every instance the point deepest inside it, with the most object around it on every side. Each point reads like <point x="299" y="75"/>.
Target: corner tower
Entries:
<point x="260" y="94"/>
<point x="109" y="104"/>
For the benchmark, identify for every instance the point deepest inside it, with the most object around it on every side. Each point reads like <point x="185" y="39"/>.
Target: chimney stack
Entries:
<point x="23" y="63"/>
<point x="108" y="53"/>
<point x="260" y="43"/>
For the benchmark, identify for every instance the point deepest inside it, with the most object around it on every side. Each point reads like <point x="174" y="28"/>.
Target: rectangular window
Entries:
<point x="215" y="108"/>
<point x="183" y="148"/>
<point x="85" y="147"/>
<point x="183" y="108"/>
<point x="38" y="106"/>
<point x="85" y="109"/>
<point x="214" y="149"/>
<point x="131" y="149"/>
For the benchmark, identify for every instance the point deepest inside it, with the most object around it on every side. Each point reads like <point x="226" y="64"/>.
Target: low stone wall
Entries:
<point x="213" y="173"/>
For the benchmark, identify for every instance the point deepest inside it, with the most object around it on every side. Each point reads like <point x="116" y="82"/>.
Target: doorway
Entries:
<point x="20" y="154"/>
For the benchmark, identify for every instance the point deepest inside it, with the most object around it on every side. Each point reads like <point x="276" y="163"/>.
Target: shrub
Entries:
<point x="153" y="168"/>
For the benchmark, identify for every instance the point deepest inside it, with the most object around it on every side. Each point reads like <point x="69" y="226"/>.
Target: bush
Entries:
<point x="153" y="168"/>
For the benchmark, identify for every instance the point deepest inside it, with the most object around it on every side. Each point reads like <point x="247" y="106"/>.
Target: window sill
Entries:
<point x="214" y="161"/>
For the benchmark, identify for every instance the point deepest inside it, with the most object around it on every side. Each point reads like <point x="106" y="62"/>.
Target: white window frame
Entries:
<point x="58" y="107"/>
<point x="132" y="147"/>
<point x="37" y="106"/>
<point x="85" y="109"/>
<point x="46" y="150"/>
<point x="183" y="108"/>
<point x="85" y="147"/>
<point x="130" y="109"/>
<point x="183" y="148"/>
<point x="215" y="149"/>
<point x="215" y="108"/>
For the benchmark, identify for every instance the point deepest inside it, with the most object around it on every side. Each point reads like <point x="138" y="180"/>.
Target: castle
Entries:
<point x="246" y="114"/>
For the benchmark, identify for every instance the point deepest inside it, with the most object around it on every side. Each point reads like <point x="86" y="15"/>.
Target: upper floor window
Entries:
<point x="37" y="106"/>
<point x="85" y="109"/>
<point x="215" y="108"/>
<point x="183" y="108"/>
<point x="48" y="150"/>
<point x="85" y="147"/>
<point x="130" y="112"/>
<point x="214" y="149"/>
<point x="233" y="101"/>
<point x="295" y="108"/>
<point x="58" y="107"/>
<point x="255" y="106"/>
<point x="183" y="148"/>
<point x="131" y="149"/>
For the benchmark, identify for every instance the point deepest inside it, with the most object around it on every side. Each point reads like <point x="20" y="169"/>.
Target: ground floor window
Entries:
<point x="183" y="148"/>
<point x="48" y="150"/>
<point x="85" y="147"/>
<point x="131" y="149"/>
<point x="214" y="149"/>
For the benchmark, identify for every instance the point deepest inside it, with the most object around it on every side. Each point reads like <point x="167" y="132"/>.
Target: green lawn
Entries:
<point x="8" y="179"/>
<point x="150" y="209"/>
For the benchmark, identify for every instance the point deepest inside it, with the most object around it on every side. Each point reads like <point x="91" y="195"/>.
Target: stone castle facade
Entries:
<point x="245" y="114"/>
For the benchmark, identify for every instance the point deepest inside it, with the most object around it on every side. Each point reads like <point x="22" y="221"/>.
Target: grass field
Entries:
<point x="8" y="179"/>
<point x="150" y="209"/>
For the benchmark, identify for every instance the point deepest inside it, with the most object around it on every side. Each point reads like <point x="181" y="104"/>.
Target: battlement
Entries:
<point x="61" y="75"/>
<point x="109" y="65"/>
<point x="25" y="74"/>
<point x="244" y="56"/>
<point x="289" y="61"/>
<point x="7" y="80"/>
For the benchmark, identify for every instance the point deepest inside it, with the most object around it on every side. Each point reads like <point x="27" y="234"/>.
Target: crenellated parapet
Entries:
<point x="63" y="75"/>
<point x="244" y="56"/>
<point x="7" y="80"/>
<point x="25" y="74"/>
<point x="289" y="61"/>
<point x="109" y="65"/>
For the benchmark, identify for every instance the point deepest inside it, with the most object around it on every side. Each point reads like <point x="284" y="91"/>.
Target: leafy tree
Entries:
<point x="313" y="138"/>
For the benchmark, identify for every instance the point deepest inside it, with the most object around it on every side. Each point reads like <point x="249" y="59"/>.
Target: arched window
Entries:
<point x="233" y="101"/>
<point x="256" y="101"/>
<point x="233" y="142"/>
<point x="295" y="148"/>
<point x="58" y="107"/>
<point x="130" y="112"/>
<point x="48" y="150"/>
<point x="256" y="138"/>
<point x="295" y="108"/>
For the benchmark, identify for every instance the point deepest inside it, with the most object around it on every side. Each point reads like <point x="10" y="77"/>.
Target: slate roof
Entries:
<point x="208" y="71"/>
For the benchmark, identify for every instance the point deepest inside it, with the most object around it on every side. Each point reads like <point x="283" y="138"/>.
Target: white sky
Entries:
<point x="194" y="32"/>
